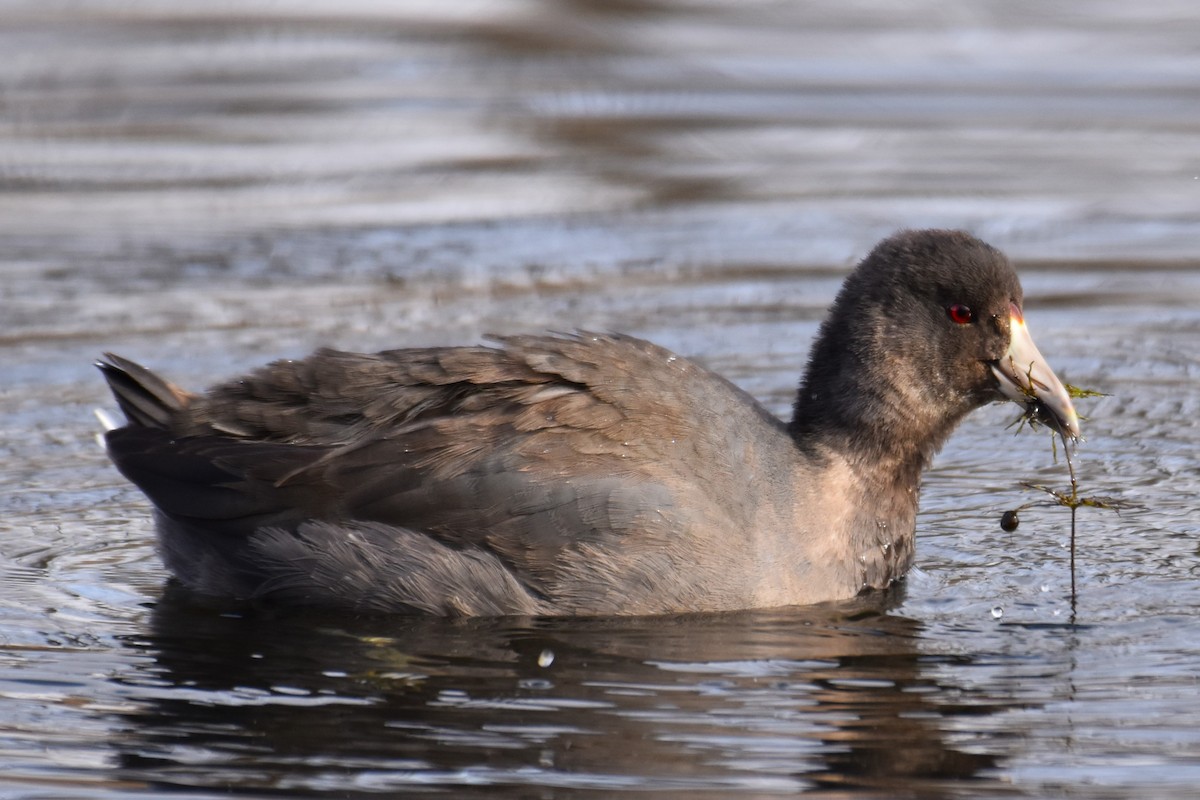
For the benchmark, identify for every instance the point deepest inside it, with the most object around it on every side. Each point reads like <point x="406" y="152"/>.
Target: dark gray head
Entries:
<point x="928" y="327"/>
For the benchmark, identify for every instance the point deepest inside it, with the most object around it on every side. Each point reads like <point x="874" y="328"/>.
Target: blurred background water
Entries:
<point x="207" y="186"/>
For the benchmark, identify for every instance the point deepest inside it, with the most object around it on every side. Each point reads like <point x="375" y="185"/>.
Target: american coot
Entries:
<point x="590" y="473"/>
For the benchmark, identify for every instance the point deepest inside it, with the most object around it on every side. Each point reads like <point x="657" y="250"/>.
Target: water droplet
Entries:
<point x="1045" y="587"/>
<point x="545" y="658"/>
<point x="997" y="612"/>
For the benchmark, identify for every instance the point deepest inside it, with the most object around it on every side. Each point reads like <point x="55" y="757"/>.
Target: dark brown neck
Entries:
<point x="886" y="438"/>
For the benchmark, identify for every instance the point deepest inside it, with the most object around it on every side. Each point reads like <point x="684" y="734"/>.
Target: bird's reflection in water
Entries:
<point x="826" y="698"/>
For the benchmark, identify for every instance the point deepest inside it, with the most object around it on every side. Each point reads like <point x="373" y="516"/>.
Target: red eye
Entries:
<point x="960" y="313"/>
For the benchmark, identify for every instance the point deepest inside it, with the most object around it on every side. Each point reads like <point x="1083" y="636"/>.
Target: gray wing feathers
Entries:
<point x="514" y="473"/>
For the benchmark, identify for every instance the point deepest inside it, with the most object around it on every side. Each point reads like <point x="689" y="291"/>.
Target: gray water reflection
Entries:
<point x="763" y="701"/>
<point x="205" y="189"/>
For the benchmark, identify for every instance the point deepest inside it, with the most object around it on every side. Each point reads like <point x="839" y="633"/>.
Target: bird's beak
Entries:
<point x="1026" y="378"/>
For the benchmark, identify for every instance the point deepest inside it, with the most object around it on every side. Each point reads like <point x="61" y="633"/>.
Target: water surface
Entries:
<point x="204" y="190"/>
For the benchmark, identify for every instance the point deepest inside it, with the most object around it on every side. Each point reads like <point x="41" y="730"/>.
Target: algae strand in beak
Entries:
<point x="1072" y="500"/>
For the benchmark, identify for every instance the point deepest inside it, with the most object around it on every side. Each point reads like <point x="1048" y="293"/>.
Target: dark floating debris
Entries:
<point x="1009" y="520"/>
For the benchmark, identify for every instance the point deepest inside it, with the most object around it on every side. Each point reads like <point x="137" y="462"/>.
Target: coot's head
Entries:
<point x="937" y="315"/>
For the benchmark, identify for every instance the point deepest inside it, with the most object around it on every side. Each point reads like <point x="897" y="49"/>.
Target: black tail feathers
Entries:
<point x="146" y="399"/>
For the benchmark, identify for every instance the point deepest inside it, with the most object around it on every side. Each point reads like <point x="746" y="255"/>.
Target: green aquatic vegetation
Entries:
<point x="1077" y="392"/>
<point x="1034" y="416"/>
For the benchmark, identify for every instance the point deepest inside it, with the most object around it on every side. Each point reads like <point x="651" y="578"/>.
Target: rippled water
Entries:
<point x="204" y="190"/>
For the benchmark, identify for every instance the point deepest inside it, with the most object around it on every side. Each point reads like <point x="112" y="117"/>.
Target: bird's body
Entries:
<point x="581" y="474"/>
